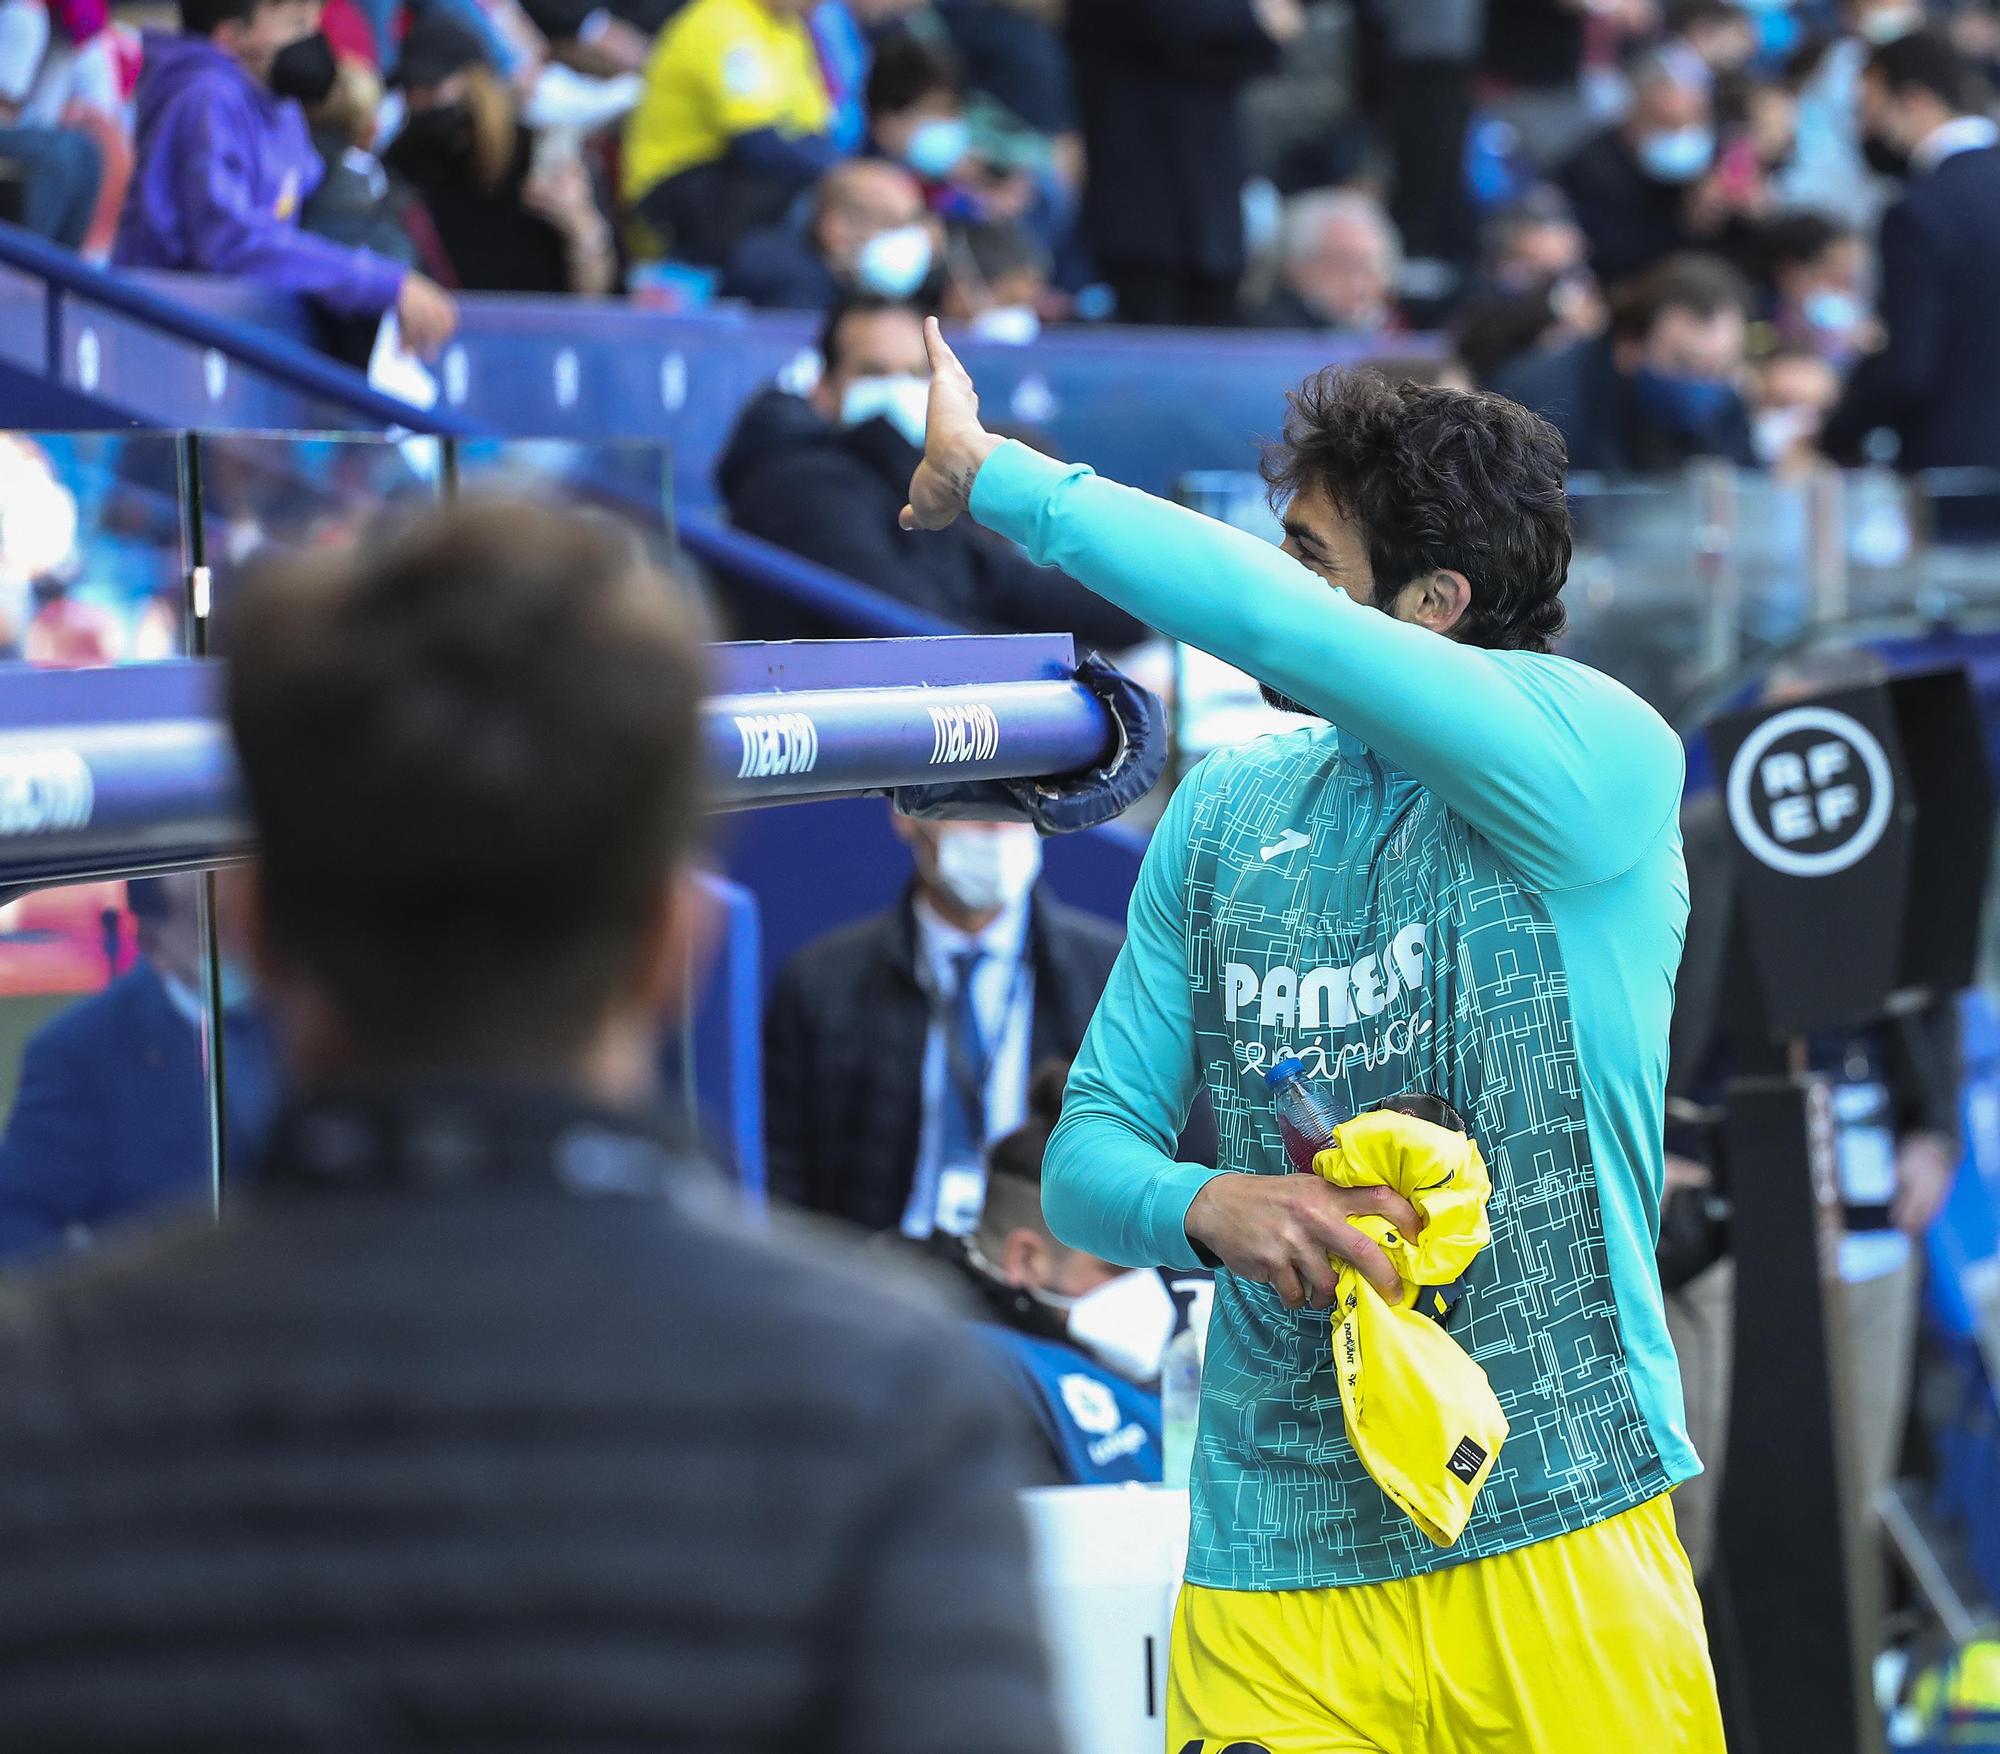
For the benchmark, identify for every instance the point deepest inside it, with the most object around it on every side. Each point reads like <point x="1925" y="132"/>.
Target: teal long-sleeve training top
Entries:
<point x="1469" y="882"/>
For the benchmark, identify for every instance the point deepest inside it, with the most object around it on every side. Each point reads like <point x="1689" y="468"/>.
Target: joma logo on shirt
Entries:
<point x="1325" y="998"/>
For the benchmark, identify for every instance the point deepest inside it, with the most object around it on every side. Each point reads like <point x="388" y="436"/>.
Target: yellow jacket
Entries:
<point x="1420" y="1413"/>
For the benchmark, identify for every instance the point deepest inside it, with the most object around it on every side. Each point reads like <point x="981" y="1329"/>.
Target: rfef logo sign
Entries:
<point x="1810" y="792"/>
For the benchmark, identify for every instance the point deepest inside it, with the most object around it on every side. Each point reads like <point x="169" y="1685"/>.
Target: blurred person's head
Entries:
<point x="869" y="227"/>
<point x="916" y="106"/>
<point x="873" y="366"/>
<point x="1883" y="21"/>
<point x="1819" y="270"/>
<point x="998" y="275"/>
<point x="1671" y="124"/>
<point x="970" y="873"/>
<point x="1491" y="329"/>
<point x="1677" y="335"/>
<point x="1910" y="88"/>
<point x="1792" y="391"/>
<point x="1341" y="255"/>
<point x="470" y="751"/>
<point x="1534" y="242"/>
<point x="350" y="107"/>
<point x="461" y="120"/>
<point x="166" y="916"/>
<point x="1121" y="1318"/>
<point x="1442" y="508"/>
<point x="1721" y="33"/>
<point x="254" y="33"/>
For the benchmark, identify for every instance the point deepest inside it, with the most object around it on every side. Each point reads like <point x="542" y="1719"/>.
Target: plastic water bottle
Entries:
<point x="1306" y="1115"/>
<point x="1180" y="1394"/>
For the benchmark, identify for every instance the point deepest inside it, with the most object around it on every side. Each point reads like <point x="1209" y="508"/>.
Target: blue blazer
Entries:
<point x="111" y="1118"/>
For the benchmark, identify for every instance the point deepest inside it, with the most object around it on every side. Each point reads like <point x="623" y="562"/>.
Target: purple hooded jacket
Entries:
<point x="224" y="166"/>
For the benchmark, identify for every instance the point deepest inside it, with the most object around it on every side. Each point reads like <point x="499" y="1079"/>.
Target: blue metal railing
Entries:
<point x="107" y="772"/>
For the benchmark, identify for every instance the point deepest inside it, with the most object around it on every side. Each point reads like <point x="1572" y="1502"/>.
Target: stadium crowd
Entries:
<point x="1655" y="219"/>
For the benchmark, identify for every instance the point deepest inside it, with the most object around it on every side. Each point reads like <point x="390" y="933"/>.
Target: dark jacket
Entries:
<point x="833" y="494"/>
<point x="489" y="1425"/>
<point x="1580" y="389"/>
<point x="1936" y="381"/>
<point x="1157" y="82"/>
<point x="1631" y="219"/>
<point x="110" y="1121"/>
<point x="844" y="1036"/>
<point x="493" y="242"/>
<point x="776" y="268"/>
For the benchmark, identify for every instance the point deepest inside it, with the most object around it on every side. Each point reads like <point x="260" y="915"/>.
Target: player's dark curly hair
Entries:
<point x="1437" y="479"/>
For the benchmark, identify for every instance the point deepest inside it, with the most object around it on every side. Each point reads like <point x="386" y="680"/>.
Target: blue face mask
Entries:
<point x="895" y="263"/>
<point x="1688" y="406"/>
<point x="1832" y="311"/>
<point x="1678" y="156"/>
<point x="936" y="148"/>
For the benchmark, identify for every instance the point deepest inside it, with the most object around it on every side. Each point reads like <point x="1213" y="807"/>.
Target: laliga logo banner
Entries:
<point x="1810" y="792"/>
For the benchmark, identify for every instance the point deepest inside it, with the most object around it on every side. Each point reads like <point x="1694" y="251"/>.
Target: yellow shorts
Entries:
<point x="1586" y="1643"/>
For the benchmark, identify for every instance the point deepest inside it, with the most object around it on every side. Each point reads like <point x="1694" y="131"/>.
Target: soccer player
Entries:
<point x="1468" y="881"/>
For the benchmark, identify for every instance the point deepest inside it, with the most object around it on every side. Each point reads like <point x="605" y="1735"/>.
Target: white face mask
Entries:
<point x="983" y="870"/>
<point x="903" y="401"/>
<point x="1125" y="1324"/>
<point x="895" y="263"/>
<point x="1010" y="325"/>
<point x="1776" y="430"/>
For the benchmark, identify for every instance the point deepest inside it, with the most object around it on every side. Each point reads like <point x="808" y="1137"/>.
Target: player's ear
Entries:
<point x="1439" y="600"/>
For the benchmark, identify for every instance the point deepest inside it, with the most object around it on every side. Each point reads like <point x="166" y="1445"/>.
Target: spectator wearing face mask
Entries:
<point x="1337" y="268"/>
<point x="1654" y="184"/>
<point x="867" y="231"/>
<point x="735" y="123"/>
<point x="917" y="116"/>
<point x="225" y="164"/>
<point x="827" y="480"/>
<point x="1818" y="272"/>
<point x="1935" y="383"/>
<point x="898" y="1049"/>
<point x="1080" y="1338"/>
<point x="1792" y="391"/>
<point x="1662" y="386"/>
<point x="996" y="283"/>
<point x="515" y="208"/>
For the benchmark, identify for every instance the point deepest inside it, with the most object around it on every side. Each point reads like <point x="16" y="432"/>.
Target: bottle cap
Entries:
<point x="1289" y="1067"/>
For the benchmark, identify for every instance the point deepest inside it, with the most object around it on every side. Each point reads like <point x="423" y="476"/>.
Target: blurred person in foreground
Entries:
<point x="225" y="163"/>
<point x="1664" y="385"/>
<point x="1935" y="381"/>
<point x="1467" y="883"/>
<point x="899" y="1047"/>
<point x="111" y="1119"/>
<point x="865" y="230"/>
<point x="486" y="1420"/>
<point x="735" y="123"/>
<point x="1338" y="260"/>
<point x="826" y="480"/>
<point x="1081" y="1339"/>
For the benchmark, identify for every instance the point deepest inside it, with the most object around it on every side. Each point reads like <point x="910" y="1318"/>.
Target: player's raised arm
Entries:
<point x="1571" y="774"/>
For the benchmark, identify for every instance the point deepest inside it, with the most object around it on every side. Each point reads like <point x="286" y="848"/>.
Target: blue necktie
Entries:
<point x="967" y="1060"/>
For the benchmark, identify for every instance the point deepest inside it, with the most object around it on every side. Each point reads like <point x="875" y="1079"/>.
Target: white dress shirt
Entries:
<point x="1960" y="134"/>
<point x="947" y="1196"/>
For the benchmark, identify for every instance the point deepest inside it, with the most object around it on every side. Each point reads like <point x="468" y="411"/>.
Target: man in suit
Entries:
<point x="897" y="1048"/>
<point x="1935" y="382"/>
<point x="486" y="1421"/>
<point x="111" y="1120"/>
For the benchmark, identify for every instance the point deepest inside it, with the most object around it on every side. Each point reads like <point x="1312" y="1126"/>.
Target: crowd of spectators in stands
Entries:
<point x="1657" y="220"/>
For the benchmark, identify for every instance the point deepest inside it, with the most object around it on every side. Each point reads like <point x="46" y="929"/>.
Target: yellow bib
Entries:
<point x="1420" y="1414"/>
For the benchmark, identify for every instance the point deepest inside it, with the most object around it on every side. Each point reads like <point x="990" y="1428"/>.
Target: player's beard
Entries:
<point x="1284" y="702"/>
